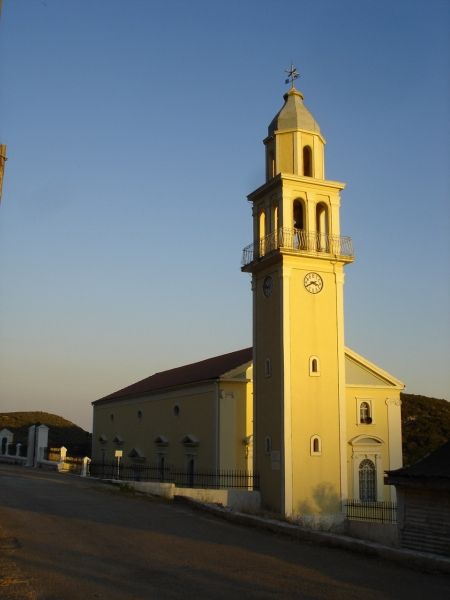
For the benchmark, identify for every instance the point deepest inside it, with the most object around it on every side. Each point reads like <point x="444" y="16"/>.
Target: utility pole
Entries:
<point x="2" y="146"/>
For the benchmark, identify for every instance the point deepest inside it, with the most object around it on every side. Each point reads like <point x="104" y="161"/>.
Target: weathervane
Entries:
<point x="292" y="74"/>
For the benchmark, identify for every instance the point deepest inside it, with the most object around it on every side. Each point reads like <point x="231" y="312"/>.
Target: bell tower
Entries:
<point x="297" y="263"/>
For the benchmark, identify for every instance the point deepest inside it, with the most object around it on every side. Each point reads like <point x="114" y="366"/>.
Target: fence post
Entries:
<point x="84" y="468"/>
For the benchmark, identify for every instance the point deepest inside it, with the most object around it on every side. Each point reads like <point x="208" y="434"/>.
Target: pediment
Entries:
<point x="366" y="440"/>
<point x="161" y="440"/>
<point x="118" y="439"/>
<point x="136" y="454"/>
<point x="361" y="372"/>
<point x="241" y="373"/>
<point x="190" y="440"/>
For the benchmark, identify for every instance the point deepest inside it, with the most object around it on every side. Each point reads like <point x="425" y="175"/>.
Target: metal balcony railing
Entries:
<point x="301" y="241"/>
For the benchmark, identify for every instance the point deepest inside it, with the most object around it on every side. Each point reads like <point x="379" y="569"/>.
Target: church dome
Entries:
<point x="293" y="115"/>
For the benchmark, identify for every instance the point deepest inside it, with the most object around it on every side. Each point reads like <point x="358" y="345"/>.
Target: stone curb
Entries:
<point x="430" y="563"/>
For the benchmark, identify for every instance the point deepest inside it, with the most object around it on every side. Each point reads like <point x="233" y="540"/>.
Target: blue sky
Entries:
<point x="134" y="133"/>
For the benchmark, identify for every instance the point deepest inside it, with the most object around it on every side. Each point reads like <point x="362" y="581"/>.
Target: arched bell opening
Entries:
<point x="262" y="232"/>
<point x="275" y="220"/>
<point x="322" y="227"/>
<point x="299" y="219"/>
<point x="307" y="161"/>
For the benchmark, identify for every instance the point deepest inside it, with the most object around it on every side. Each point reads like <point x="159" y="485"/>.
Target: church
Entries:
<point x="318" y="422"/>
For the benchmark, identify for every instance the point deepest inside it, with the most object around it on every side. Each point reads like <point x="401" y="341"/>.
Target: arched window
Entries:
<point x="314" y="366"/>
<point x="367" y="481"/>
<point x="316" y="445"/>
<point x="190" y="470"/>
<point x="322" y="227"/>
<point x="307" y="161"/>
<point x="161" y="466"/>
<point x="365" y="413"/>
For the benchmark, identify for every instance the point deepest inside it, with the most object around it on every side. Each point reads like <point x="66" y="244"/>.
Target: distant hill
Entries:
<point x="425" y="426"/>
<point x="61" y="433"/>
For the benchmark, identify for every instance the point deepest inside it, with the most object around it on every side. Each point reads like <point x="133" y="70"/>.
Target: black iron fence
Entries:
<point x="215" y="479"/>
<point x="380" y="512"/>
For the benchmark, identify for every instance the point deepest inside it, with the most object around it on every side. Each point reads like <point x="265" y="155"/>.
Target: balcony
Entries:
<point x="299" y="241"/>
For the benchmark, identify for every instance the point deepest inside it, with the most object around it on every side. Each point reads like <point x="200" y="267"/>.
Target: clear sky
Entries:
<point x="134" y="132"/>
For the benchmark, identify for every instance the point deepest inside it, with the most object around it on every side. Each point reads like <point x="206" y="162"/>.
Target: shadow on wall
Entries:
<point x="325" y="501"/>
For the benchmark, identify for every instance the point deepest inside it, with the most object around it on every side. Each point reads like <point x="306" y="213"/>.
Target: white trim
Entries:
<point x="340" y="279"/>
<point x="367" y="446"/>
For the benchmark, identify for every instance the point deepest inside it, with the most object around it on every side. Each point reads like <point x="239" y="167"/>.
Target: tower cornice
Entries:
<point x="309" y="182"/>
<point x="293" y="130"/>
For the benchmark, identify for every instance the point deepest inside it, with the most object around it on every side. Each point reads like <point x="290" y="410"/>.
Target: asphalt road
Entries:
<point x="66" y="538"/>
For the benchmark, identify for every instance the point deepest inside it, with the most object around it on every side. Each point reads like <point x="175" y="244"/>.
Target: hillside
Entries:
<point x="61" y="433"/>
<point x="425" y="426"/>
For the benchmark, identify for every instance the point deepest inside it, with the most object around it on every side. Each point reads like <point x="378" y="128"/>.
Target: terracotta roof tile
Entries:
<point x="205" y="370"/>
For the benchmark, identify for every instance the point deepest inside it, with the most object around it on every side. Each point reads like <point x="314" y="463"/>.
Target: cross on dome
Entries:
<point x="293" y="74"/>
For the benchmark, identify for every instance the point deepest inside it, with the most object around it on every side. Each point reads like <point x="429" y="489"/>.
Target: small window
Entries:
<point x="176" y="410"/>
<point x="267" y="444"/>
<point x="314" y="366"/>
<point x="268" y="368"/>
<point x="365" y="413"/>
<point x="111" y="416"/>
<point x="139" y="414"/>
<point x="316" y="446"/>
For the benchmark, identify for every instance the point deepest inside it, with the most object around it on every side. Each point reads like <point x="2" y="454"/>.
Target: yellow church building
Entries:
<point x="318" y="422"/>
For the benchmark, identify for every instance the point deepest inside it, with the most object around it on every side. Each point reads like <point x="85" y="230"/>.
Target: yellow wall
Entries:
<point x="196" y="417"/>
<point x="379" y="441"/>
<point x="216" y="413"/>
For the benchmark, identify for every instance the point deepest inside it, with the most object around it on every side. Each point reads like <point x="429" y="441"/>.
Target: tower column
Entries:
<point x="287" y="475"/>
<point x="340" y="277"/>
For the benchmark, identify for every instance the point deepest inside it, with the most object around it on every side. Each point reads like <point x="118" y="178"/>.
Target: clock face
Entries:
<point x="313" y="283"/>
<point x="267" y="286"/>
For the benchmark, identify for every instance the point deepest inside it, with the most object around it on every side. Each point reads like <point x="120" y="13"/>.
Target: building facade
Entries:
<point x="318" y="422"/>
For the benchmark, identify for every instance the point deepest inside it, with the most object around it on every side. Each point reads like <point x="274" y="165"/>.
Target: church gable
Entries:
<point x="361" y="372"/>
